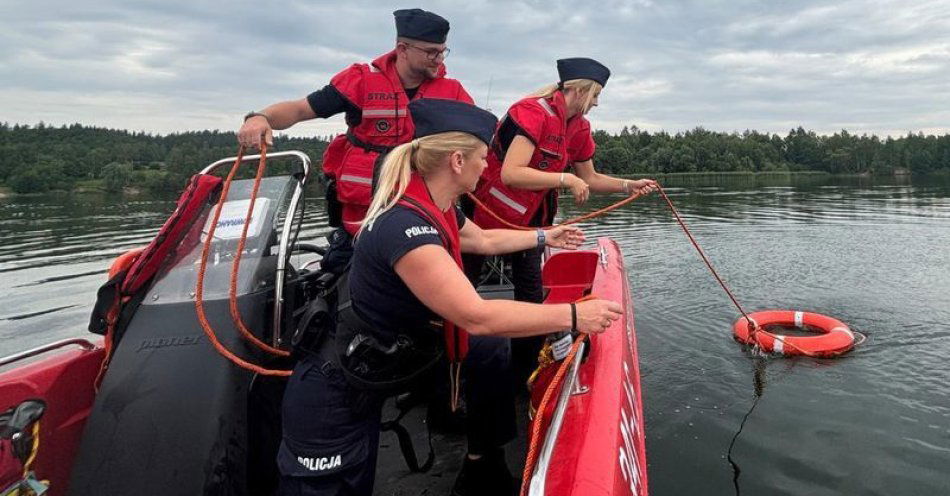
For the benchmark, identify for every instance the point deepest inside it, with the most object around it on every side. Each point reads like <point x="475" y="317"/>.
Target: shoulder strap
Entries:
<point x="417" y="207"/>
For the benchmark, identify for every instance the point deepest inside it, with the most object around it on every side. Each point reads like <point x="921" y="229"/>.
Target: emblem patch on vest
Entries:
<point x="382" y="125"/>
<point x="543" y="164"/>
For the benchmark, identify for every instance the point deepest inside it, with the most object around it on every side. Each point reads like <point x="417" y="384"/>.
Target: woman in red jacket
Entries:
<point x="540" y="138"/>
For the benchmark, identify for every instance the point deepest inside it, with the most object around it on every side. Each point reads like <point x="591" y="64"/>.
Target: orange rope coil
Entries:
<point x="532" y="457"/>
<point x="199" y="285"/>
<point x="235" y="267"/>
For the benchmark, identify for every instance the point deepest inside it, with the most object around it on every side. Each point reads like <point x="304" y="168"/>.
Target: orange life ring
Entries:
<point x="835" y="337"/>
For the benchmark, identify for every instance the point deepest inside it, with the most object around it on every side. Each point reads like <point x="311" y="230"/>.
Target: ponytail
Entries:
<point x="585" y="87"/>
<point x="546" y="91"/>
<point x="393" y="179"/>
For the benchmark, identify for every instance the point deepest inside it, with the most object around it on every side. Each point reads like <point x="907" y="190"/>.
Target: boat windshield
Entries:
<point x="176" y="281"/>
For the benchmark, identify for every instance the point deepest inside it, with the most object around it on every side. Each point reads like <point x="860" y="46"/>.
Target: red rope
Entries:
<point x="532" y="457"/>
<point x="754" y="327"/>
<point x="236" y="266"/>
<point x="701" y="253"/>
<point x="199" y="285"/>
<point x="575" y="220"/>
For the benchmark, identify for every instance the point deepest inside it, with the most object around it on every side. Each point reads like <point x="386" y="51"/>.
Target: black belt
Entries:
<point x="355" y="141"/>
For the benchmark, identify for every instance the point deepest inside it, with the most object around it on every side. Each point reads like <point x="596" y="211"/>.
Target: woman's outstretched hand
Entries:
<point x="566" y="237"/>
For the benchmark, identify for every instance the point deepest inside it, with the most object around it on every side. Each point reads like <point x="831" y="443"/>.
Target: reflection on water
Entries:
<point x="55" y="252"/>
<point x="870" y="252"/>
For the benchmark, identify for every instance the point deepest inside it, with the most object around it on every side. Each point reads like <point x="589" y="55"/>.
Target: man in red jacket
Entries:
<point x="374" y="97"/>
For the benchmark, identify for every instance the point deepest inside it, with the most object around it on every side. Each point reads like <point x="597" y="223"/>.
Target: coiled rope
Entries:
<point x="232" y="293"/>
<point x="536" y="425"/>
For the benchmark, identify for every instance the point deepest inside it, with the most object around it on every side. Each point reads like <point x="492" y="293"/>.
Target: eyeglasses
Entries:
<point x="431" y="53"/>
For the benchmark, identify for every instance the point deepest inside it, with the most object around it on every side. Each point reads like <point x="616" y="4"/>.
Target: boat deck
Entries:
<point x="393" y="478"/>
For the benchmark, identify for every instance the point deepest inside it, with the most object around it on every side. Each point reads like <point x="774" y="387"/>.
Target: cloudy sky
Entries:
<point x="879" y="67"/>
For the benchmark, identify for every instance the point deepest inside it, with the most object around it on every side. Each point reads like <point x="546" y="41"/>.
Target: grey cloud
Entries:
<point x="877" y="67"/>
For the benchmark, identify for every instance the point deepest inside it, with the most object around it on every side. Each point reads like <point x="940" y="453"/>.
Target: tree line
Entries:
<point x="41" y="158"/>
<point x="636" y="151"/>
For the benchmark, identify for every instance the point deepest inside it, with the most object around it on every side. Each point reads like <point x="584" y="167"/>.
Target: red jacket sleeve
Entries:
<point x="580" y="142"/>
<point x="530" y="117"/>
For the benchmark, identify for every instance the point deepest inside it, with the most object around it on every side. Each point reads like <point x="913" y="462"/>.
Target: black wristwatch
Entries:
<point x="255" y="113"/>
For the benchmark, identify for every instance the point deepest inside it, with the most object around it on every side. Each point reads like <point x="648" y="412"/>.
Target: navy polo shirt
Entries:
<point x="380" y="297"/>
<point x="328" y="101"/>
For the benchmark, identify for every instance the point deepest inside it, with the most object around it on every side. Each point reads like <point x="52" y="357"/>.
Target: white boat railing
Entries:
<point x="285" y="230"/>
<point x="570" y="387"/>
<point x="39" y="350"/>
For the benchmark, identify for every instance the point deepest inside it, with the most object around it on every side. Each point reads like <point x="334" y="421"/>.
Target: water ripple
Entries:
<point x="872" y="253"/>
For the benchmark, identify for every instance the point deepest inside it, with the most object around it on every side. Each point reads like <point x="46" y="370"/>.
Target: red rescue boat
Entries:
<point x="593" y="437"/>
<point x="171" y="416"/>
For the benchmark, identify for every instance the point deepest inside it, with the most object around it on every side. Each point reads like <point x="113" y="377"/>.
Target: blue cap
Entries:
<point x="582" y="68"/>
<point x="434" y="116"/>
<point x="421" y="25"/>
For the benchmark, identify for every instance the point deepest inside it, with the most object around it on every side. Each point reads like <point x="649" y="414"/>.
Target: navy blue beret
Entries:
<point x="434" y="116"/>
<point x="421" y="25"/>
<point x="582" y="68"/>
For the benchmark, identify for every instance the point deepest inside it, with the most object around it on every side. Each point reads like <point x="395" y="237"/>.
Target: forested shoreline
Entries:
<point x="38" y="158"/>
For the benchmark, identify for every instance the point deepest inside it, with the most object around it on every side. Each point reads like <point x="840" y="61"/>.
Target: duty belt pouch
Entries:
<point x="371" y="364"/>
<point x="312" y="328"/>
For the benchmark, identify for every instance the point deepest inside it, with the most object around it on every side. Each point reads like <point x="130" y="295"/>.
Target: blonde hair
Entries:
<point x="422" y="155"/>
<point x="587" y="88"/>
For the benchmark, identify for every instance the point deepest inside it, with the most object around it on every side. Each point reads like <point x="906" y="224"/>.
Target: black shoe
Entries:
<point x="489" y="476"/>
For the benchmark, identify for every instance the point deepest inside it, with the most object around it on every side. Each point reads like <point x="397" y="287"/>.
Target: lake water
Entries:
<point x="871" y="252"/>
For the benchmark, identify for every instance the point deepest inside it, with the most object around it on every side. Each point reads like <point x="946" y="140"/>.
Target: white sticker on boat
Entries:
<point x="231" y="221"/>
<point x="800" y="320"/>
<point x="778" y="346"/>
<point x="630" y="435"/>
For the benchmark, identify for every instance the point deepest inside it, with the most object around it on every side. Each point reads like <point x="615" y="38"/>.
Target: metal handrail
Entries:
<point x="285" y="230"/>
<point x="248" y="158"/>
<point x="536" y="486"/>
<point x="84" y="343"/>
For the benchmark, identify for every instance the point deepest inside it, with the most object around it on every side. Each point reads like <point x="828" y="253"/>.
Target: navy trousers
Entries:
<point x="331" y="429"/>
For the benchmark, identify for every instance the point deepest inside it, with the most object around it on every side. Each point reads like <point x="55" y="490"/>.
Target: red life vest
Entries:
<point x="377" y="91"/>
<point x="580" y="148"/>
<point x="418" y="199"/>
<point x="544" y="120"/>
<point x="580" y="142"/>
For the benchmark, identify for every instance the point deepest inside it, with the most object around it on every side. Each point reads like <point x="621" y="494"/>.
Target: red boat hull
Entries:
<point x="65" y="382"/>
<point x="600" y="447"/>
